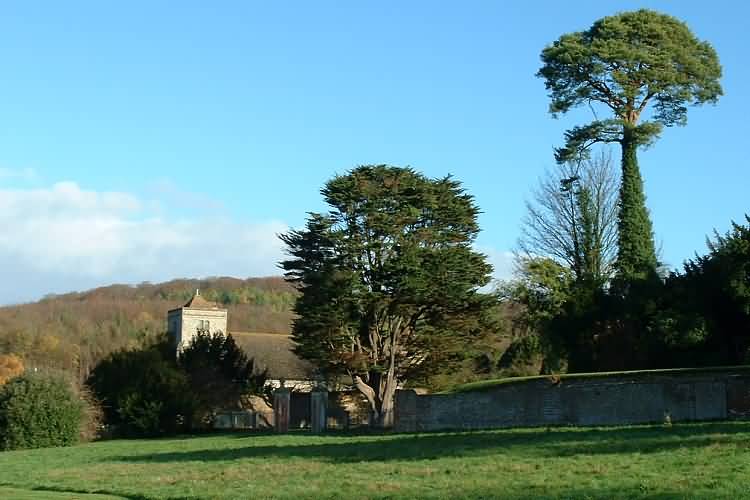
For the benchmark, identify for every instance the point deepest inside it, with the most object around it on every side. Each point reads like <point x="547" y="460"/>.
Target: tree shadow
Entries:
<point x="542" y="443"/>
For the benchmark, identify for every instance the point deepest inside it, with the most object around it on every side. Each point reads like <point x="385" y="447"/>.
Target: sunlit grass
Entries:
<point x="656" y="462"/>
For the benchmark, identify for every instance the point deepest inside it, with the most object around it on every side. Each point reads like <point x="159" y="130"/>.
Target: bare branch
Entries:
<point x="552" y="226"/>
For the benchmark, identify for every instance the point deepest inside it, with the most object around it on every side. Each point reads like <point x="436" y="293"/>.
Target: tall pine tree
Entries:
<point x="633" y="63"/>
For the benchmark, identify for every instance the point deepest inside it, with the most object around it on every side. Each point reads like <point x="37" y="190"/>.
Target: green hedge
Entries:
<point x="484" y="385"/>
<point x="38" y="411"/>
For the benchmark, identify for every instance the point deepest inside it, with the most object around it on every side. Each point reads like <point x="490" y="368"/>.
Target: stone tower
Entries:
<point x="198" y="314"/>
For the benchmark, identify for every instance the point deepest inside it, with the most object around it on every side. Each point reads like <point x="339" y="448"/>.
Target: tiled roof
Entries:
<point x="198" y="302"/>
<point x="274" y="352"/>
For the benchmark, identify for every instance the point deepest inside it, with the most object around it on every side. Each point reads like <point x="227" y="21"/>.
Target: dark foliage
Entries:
<point x="699" y="317"/>
<point x="149" y="391"/>
<point x="143" y="391"/>
<point x="388" y="279"/>
<point x="219" y="373"/>
<point x="709" y="302"/>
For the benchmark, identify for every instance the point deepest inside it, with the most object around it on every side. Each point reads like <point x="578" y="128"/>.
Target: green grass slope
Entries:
<point x="483" y="385"/>
<point x="710" y="460"/>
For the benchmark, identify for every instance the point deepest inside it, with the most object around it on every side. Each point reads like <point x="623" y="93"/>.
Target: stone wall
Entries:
<point x="187" y="322"/>
<point x="344" y="410"/>
<point x="639" y="397"/>
<point x="347" y="409"/>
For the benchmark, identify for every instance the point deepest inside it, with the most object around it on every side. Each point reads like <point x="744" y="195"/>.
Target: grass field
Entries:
<point x="656" y="462"/>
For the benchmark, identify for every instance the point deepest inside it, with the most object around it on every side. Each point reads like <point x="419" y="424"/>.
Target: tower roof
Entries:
<point x="198" y="302"/>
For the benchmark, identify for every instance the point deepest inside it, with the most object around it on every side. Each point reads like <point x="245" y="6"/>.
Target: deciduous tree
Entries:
<point x="572" y="219"/>
<point x="10" y="366"/>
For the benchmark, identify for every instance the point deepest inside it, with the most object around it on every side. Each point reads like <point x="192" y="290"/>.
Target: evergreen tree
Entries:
<point x="630" y="63"/>
<point x="219" y="374"/>
<point x="716" y="290"/>
<point x="636" y="257"/>
<point x="39" y="411"/>
<point x="389" y="281"/>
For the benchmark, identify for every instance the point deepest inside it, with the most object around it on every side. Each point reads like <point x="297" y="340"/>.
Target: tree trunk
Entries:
<point x="387" y="403"/>
<point x="636" y="258"/>
<point x="369" y="393"/>
<point x="381" y="405"/>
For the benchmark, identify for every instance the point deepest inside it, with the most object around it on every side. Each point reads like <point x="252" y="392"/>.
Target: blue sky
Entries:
<point x="153" y="140"/>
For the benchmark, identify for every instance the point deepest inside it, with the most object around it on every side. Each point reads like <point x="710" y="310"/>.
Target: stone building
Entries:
<point x="197" y="314"/>
<point x="274" y="353"/>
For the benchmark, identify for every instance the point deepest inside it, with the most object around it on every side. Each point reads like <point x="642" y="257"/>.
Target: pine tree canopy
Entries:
<point x="628" y="62"/>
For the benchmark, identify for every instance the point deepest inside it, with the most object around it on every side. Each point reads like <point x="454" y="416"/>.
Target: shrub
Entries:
<point x="219" y="373"/>
<point x="148" y="392"/>
<point x="142" y="392"/>
<point x="38" y="411"/>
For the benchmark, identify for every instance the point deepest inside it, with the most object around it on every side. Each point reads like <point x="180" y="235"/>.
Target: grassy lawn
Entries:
<point x="655" y="462"/>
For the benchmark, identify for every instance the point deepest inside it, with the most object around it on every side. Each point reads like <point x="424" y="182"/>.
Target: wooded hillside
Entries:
<point x="74" y="331"/>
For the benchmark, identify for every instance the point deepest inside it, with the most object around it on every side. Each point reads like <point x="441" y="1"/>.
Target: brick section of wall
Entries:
<point x="616" y="400"/>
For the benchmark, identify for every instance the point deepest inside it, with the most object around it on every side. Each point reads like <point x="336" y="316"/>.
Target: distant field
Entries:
<point x="649" y="462"/>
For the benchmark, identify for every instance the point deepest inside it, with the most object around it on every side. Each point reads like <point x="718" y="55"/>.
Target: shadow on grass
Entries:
<point x="550" y="443"/>
<point x="632" y="493"/>
<point x="52" y="492"/>
<point x="635" y="492"/>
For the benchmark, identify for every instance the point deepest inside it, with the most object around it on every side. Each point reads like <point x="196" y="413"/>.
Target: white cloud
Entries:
<point x="502" y="262"/>
<point x="63" y="238"/>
